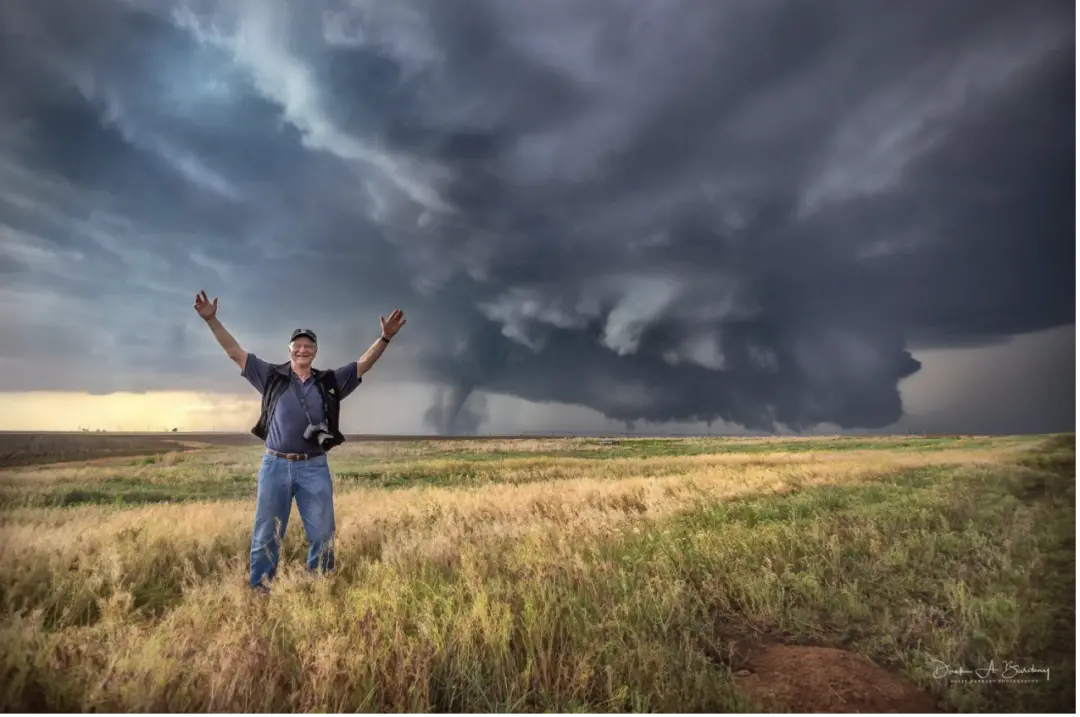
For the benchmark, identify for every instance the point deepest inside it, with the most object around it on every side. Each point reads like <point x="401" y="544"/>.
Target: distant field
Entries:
<point x="24" y="448"/>
<point x="28" y="448"/>
<point x="21" y="448"/>
<point x="542" y="574"/>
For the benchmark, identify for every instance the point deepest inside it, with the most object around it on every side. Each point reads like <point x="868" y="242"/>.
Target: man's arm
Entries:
<point x="390" y="327"/>
<point x="232" y="348"/>
<point x="208" y="311"/>
<point x="365" y="362"/>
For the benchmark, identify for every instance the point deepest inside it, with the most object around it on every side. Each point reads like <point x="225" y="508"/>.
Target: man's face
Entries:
<point x="302" y="351"/>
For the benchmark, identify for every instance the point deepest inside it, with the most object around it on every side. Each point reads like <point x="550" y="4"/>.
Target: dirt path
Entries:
<point x="824" y="679"/>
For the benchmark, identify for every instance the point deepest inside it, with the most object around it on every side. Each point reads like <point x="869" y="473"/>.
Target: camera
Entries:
<point x="320" y="434"/>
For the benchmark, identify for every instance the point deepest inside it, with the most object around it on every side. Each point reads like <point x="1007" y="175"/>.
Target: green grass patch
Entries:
<point x="410" y="477"/>
<point x="945" y="566"/>
<point x="649" y="447"/>
<point x="126" y="491"/>
<point x="614" y="448"/>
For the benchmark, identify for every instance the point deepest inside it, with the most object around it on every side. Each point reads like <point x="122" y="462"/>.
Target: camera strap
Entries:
<point x="294" y="379"/>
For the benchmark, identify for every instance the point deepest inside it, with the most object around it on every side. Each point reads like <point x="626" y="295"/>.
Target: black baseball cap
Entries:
<point x="297" y="333"/>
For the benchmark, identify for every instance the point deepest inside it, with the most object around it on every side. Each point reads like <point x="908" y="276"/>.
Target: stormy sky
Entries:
<point x="756" y="214"/>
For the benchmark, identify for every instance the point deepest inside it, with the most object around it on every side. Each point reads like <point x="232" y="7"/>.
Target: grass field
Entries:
<point x="548" y="574"/>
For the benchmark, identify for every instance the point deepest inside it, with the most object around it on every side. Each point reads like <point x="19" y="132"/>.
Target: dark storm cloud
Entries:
<point x="739" y="211"/>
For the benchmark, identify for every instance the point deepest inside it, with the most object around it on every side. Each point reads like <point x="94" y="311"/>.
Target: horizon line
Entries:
<point x="541" y="434"/>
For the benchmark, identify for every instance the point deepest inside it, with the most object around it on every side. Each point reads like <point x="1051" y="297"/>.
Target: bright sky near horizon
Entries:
<point x="845" y="215"/>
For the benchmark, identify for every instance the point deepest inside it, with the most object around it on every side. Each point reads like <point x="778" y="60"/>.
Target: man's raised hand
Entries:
<point x="204" y="307"/>
<point x="393" y="324"/>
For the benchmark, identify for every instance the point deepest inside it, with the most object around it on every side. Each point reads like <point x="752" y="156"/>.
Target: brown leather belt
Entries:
<point x="290" y="456"/>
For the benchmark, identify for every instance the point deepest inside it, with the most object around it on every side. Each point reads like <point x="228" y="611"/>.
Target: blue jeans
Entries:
<point x="280" y="481"/>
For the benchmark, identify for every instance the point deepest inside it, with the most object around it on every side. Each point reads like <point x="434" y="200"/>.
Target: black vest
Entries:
<point x="278" y="383"/>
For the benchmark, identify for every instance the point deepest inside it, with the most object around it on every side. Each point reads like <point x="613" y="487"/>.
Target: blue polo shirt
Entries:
<point x="286" y="431"/>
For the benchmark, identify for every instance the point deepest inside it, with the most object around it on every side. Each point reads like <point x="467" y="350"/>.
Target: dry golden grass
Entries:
<point x="572" y="494"/>
<point x="533" y="581"/>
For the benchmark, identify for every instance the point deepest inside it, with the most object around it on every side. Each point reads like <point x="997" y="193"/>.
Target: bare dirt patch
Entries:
<point x="825" y="679"/>
<point x="27" y="448"/>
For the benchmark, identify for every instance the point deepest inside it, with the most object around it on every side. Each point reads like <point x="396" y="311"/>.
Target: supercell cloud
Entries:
<point x="741" y="211"/>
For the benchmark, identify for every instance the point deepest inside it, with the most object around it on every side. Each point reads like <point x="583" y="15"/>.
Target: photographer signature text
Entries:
<point x="993" y="672"/>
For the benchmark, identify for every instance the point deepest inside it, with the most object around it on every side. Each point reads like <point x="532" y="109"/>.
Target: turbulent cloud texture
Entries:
<point x="748" y="211"/>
